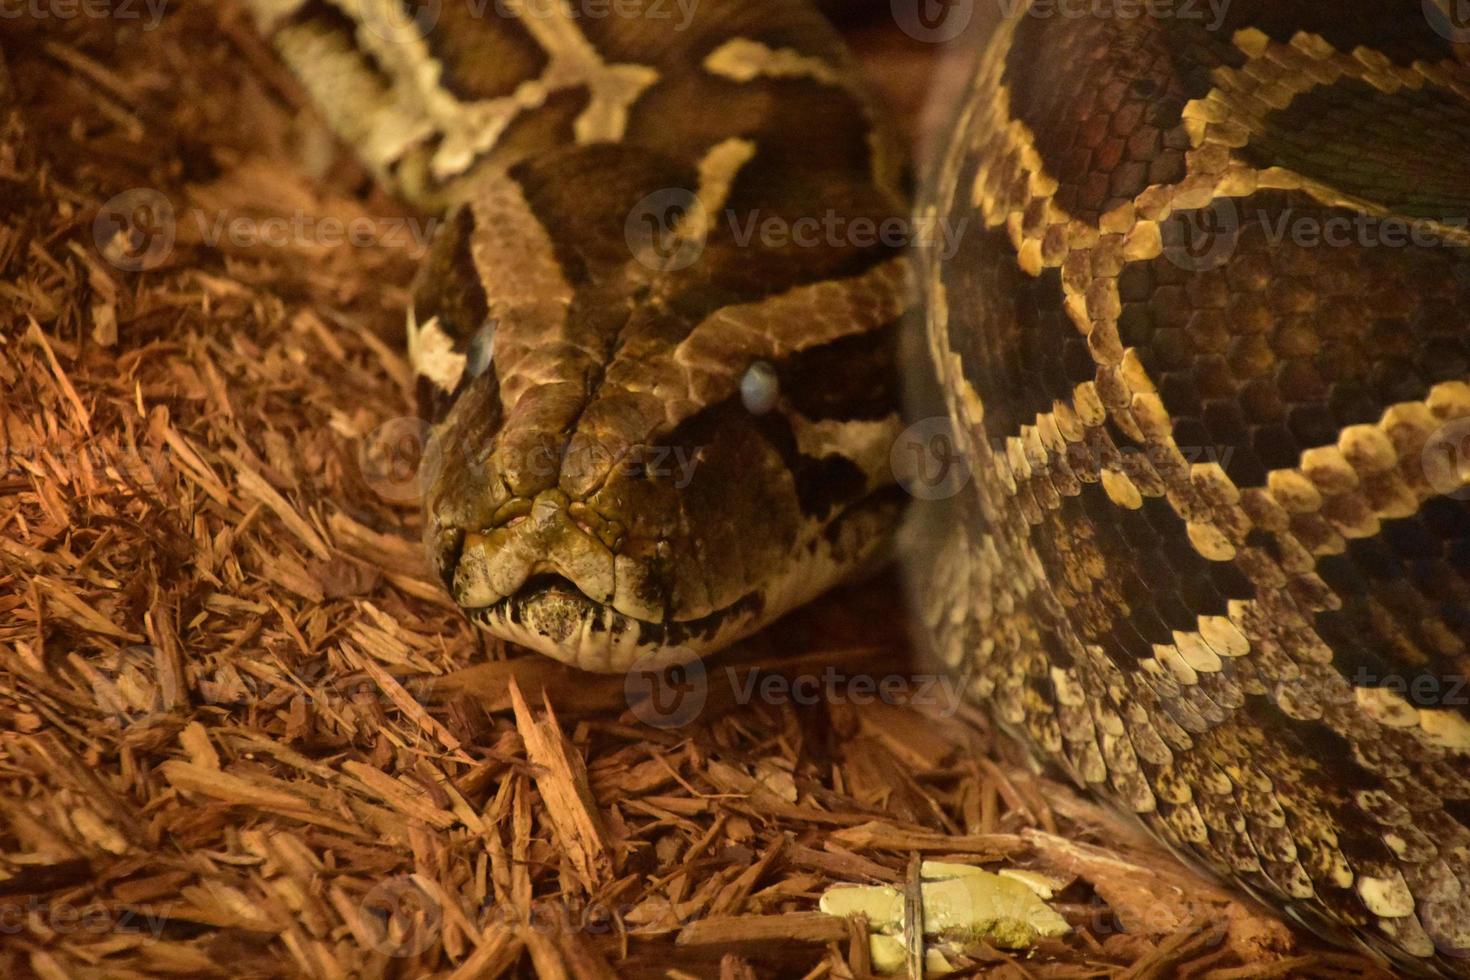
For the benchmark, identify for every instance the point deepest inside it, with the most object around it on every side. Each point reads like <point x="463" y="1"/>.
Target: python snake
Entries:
<point x="1202" y="345"/>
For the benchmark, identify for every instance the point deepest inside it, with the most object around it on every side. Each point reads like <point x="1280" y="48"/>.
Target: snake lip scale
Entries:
<point x="1234" y="644"/>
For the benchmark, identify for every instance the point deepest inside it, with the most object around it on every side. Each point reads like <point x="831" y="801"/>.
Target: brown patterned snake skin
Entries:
<point x="1212" y="553"/>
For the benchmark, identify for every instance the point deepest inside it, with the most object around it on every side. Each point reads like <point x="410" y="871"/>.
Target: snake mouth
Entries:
<point x="550" y="615"/>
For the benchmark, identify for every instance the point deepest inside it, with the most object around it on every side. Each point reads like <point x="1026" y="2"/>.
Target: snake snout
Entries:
<point x="497" y="562"/>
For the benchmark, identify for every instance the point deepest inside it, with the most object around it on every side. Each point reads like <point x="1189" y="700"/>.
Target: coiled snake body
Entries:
<point x="1203" y="346"/>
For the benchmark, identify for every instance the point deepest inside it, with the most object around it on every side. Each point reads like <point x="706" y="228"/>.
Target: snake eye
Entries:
<point x="760" y="388"/>
<point x="477" y="358"/>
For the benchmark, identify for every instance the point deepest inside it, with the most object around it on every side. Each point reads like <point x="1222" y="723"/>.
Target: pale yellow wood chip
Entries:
<point x="561" y="776"/>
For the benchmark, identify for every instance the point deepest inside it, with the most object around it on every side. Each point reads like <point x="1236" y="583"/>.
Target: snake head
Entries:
<point x="644" y="460"/>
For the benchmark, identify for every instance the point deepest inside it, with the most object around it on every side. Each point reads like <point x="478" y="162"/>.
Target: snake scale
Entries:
<point x="1210" y="555"/>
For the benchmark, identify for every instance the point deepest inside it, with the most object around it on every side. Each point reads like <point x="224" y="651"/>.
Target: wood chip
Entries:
<point x="561" y="776"/>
